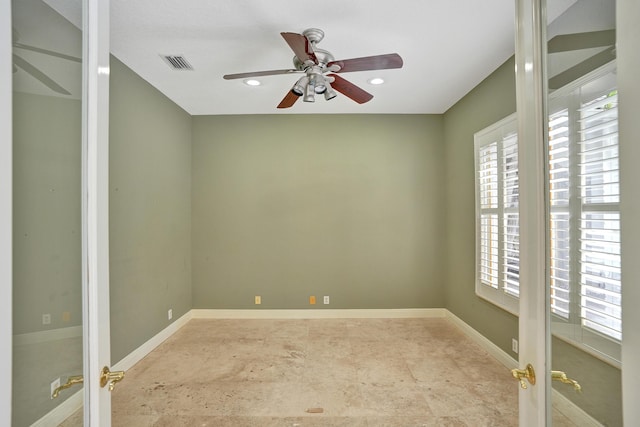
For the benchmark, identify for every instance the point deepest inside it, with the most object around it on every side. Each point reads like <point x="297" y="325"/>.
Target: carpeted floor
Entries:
<point x="351" y="372"/>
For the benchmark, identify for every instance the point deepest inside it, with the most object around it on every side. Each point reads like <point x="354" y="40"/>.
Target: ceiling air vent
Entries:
<point x="177" y="62"/>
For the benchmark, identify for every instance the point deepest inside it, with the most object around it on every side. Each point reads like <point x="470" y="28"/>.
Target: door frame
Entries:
<point x="95" y="211"/>
<point x="628" y="33"/>
<point x="534" y="329"/>
<point x="6" y="206"/>
<point x="534" y="334"/>
<point x="95" y="196"/>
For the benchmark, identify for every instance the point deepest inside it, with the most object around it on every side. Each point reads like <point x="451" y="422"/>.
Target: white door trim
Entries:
<point x="95" y="210"/>
<point x="531" y="109"/>
<point x="6" y="185"/>
<point x="628" y="34"/>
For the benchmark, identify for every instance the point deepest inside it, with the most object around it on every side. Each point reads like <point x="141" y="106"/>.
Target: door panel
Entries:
<point x="573" y="310"/>
<point x="47" y="223"/>
<point x="60" y="213"/>
<point x="583" y="207"/>
<point x="628" y="66"/>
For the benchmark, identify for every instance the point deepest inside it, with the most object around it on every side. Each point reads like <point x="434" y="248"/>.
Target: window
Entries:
<point x="600" y="217"/>
<point x="497" y="214"/>
<point x="584" y="214"/>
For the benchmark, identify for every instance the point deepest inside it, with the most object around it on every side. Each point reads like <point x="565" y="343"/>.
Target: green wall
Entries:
<point x="490" y="101"/>
<point x="150" y="210"/>
<point x="349" y="206"/>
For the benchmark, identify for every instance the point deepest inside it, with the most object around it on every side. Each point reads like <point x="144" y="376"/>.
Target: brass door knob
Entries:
<point x="527" y="373"/>
<point x="111" y="378"/>
<point x="562" y="377"/>
<point x="71" y="381"/>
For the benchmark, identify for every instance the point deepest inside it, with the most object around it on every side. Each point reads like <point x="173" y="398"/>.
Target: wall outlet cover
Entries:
<point x="54" y="385"/>
<point x="258" y="299"/>
<point x="46" y="319"/>
<point x="326" y="299"/>
<point x="312" y="300"/>
<point x="170" y="314"/>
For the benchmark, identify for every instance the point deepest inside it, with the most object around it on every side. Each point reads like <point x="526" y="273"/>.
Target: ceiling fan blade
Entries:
<point x="39" y="75"/>
<point x="350" y="90"/>
<point x="377" y="62"/>
<point x="47" y="52"/>
<point x="258" y="74"/>
<point x="301" y="46"/>
<point x="289" y="99"/>
<point x="582" y="68"/>
<point x="577" y="41"/>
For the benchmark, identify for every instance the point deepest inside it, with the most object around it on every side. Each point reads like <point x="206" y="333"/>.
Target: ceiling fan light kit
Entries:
<point x="316" y="64"/>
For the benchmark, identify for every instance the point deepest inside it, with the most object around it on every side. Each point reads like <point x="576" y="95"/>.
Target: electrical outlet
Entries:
<point x="170" y="314"/>
<point x="326" y="299"/>
<point x="54" y="385"/>
<point x="258" y="299"/>
<point x="46" y="319"/>
<point x="312" y="300"/>
<point x="66" y="316"/>
<point x="514" y="345"/>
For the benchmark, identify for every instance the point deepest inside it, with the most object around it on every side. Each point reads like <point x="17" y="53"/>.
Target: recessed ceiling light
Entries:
<point x="252" y="82"/>
<point x="376" y="81"/>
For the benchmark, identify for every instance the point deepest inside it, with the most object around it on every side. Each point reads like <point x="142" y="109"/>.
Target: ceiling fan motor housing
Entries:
<point x="323" y="57"/>
<point x="314" y="35"/>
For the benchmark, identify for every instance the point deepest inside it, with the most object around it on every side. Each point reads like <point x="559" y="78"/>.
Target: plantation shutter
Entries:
<point x="600" y="283"/>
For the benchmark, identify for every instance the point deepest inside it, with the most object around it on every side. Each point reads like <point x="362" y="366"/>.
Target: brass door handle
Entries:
<point x="71" y="381"/>
<point x="111" y="378"/>
<point x="562" y="377"/>
<point x="527" y="373"/>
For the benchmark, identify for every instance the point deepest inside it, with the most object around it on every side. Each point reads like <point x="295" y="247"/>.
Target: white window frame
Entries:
<point x="494" y="134"/>
<point x="568" y="329"/>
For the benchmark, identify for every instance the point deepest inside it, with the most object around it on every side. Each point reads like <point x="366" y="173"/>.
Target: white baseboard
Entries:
<point x="573" y="411"/>
<point x="61" y="412"/>
<point x="483" y="342"/>
<point x="72" y="404"/>
<point x="319" y="313"/>
<point x="561" y="403"/>
<point x="47" y="336"/>
<point x="139" y="353"/>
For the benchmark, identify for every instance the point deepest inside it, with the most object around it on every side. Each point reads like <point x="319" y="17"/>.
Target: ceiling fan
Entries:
<point x="20" y="62"/>
<point x="316" y="63"/>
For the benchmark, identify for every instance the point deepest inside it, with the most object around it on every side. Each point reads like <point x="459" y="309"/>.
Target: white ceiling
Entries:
<point x="448" y="47"/>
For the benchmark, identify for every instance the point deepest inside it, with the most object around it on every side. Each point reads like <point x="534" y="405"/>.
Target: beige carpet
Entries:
<point x="352" y="372"/>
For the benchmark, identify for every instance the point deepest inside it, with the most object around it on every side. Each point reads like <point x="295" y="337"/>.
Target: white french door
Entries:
<point x="54" y="265"/>
<point x="537" y="323"/>
<point x="628" y="53"/>
<point x="96" y="326"/>
<point x="534" y="337"/>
